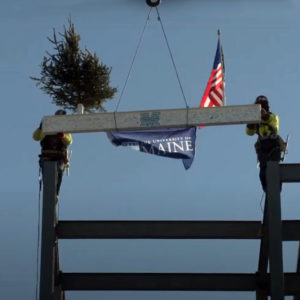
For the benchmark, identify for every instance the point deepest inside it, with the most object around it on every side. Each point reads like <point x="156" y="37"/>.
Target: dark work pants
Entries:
<point x="267" y="150"/>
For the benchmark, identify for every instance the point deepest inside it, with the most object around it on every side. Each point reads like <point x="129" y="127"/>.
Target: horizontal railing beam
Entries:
<point x="290" y="172"/>
<point x="170" y="230"/>
<point x="291" y="230"/>
<point x="159" y="229"/>
<point x="175" y="282"/>
<point x="152" y="119"/>
<point x="158" y="281"/>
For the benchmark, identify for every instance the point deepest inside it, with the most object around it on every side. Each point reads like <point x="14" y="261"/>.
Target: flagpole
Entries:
<point x="223" y="67"/>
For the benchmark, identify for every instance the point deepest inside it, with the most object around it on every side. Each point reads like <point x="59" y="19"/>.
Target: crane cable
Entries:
<point x="135" y="54"/>
<point x="171" y="55"/>
<point x="38" y="235"/>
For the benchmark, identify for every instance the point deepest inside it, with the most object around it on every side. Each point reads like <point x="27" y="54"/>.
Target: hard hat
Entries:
<point x="260" y="99"/>
<point x="60" y="112"/>
<point x="263" y="101"/>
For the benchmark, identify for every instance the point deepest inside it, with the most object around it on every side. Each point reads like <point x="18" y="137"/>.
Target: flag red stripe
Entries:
<point x="214" y="92"/>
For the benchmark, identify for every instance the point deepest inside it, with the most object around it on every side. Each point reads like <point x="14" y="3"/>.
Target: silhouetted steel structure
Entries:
<point x="272" y="231"/>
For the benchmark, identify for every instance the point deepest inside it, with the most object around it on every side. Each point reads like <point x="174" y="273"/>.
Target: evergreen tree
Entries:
<point x="72" y="76"/>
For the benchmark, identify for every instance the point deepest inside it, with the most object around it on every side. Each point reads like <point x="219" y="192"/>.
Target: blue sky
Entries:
<point x="261" y="42"/>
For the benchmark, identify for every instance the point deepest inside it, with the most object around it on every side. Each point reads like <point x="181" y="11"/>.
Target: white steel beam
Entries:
<point x="152" y="119"/>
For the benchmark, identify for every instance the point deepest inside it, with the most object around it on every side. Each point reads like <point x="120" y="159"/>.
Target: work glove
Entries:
<point x="264" y="115"/>
<point x="251" y="126"/>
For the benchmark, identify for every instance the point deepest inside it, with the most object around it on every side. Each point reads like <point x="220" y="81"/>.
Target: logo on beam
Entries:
<point x="148" y="119"/>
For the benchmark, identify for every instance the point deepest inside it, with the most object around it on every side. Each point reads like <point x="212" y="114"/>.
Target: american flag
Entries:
<point x="214" y="94"/>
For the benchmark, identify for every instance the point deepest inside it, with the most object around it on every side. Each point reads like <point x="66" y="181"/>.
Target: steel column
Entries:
<point x="297" y="297"/>
<point x="59" y="294"/>
<point x="262" y="286"/>
<point x="275" y="230"/>
<point x="47" y="274"/>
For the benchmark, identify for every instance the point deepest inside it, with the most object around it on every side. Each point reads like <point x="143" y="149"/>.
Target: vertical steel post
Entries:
<point x="262" y="287"/>
<point x="59" y="294"/>
<point x="47" y="273"/>
<point x="297" y="297"/>
<point x="275" y="230"/>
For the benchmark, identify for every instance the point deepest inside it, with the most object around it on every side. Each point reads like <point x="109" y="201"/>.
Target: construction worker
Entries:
<point x="269" y="144"/>
<point x="54" y="148"/>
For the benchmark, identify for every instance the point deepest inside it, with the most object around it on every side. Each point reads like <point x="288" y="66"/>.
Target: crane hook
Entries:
<point x="153" y="4"/>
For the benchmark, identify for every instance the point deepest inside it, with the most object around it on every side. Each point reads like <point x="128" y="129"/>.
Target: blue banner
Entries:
<point x="171" y="142"/>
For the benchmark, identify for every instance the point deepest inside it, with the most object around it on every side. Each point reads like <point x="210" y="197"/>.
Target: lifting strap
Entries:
<point x="153" y="4"/>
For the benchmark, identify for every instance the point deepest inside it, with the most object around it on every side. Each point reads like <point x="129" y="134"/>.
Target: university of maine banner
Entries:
<point x="171" y="142"/>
